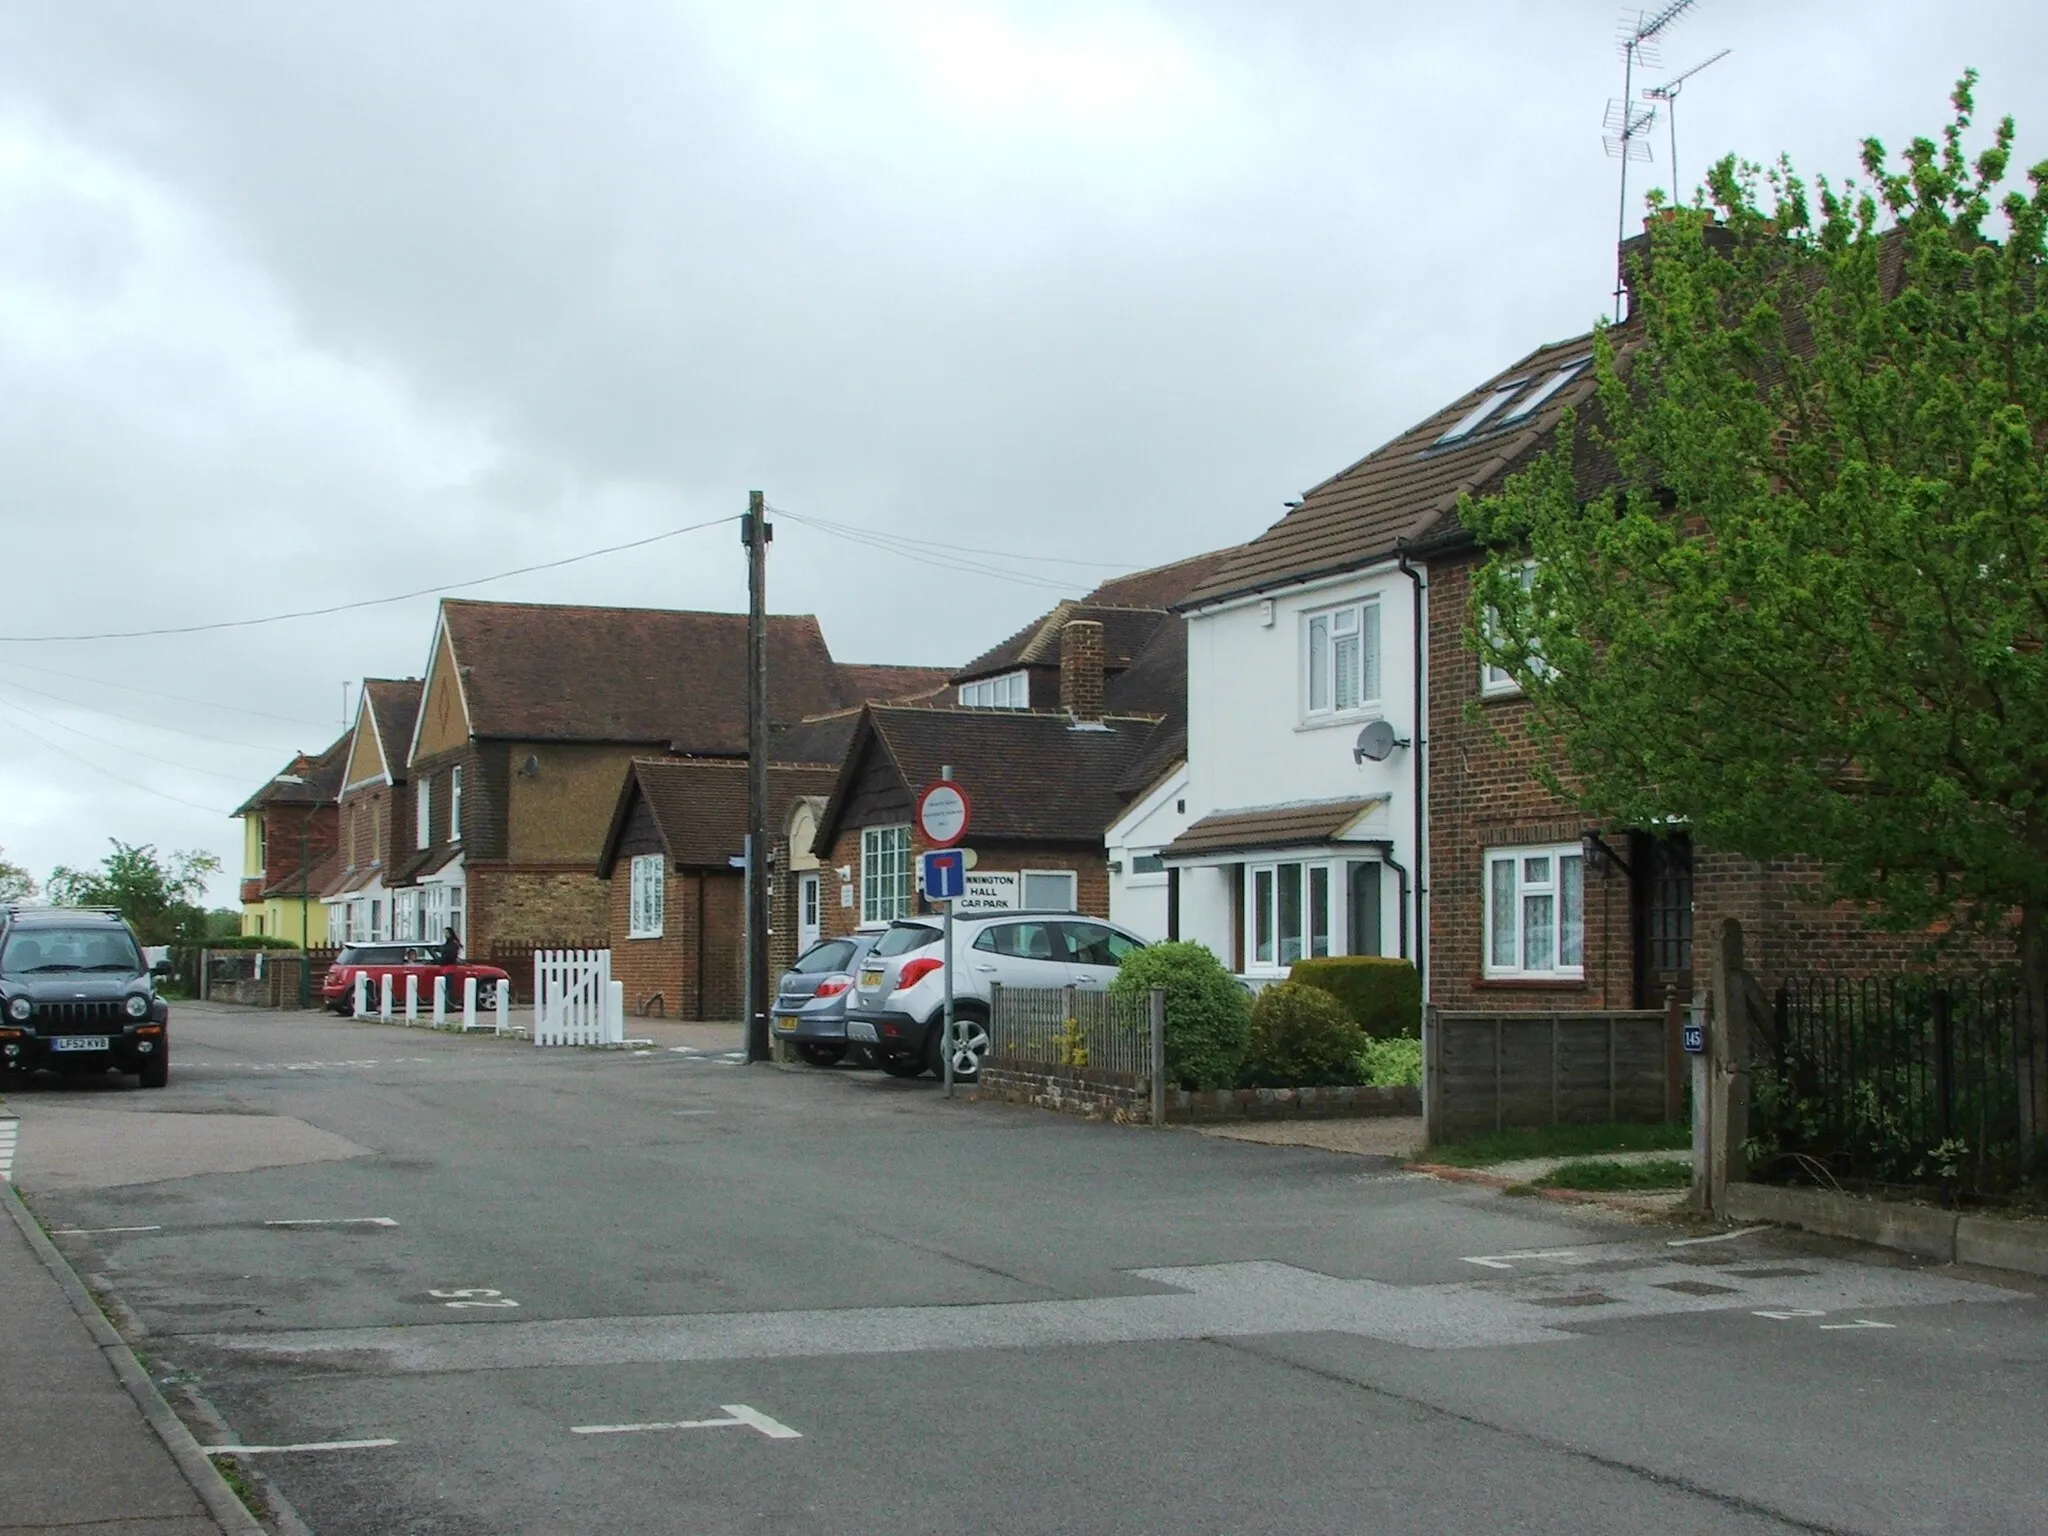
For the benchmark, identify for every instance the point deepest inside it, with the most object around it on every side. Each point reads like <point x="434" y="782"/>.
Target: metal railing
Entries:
<point x="1903" y="1081"/>
<point x="1089" y="1039"/>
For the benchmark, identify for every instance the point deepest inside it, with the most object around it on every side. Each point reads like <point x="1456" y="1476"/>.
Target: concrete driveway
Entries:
<point x="506" y="1290"/>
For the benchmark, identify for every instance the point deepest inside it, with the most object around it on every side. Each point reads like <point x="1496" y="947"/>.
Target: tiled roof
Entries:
<point x="666" y="677"/>
<point x="874" y="683"/>
<point x="1162" y="586"/>
<point x="820" y="739"/>
<point x="1029" y="776"/>
<point x="426" y="862"/>
<point x="700" y="806"/>
<point x="395" y="702"/>
<point x="322" y="772"/>
<point x="1406" y="491"/>
<point x="1286" y="826"/>
<point x="324" y="873"/>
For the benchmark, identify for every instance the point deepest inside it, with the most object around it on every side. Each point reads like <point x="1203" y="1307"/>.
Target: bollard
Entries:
<point x="440" y="1002"/>
<point x="412" y="998"/>
<point x="615" y="1013"/>
<point x="468" y="1003"/>
<point x="504" y="1006"/>
<point x="362" y="994"/>
<point x="384" y="1009"/>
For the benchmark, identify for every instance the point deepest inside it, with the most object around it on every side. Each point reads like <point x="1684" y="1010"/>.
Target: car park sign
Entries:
<point x="942" y="814"/>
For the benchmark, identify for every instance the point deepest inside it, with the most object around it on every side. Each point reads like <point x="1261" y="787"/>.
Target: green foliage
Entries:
<point x="1809" y="619"/>
<point x="1208" y="1016"/>
<point x="1391" y="1063"/>
<point x="16" y="883"/>
<point x="1663" y="1173"/>
<point x="1560" y="1141"/>
<point x="1382" y="995"/>
<point x="158" y="896"/>
<point x="248" y="941"/>
<point x="1301" y="1038"/>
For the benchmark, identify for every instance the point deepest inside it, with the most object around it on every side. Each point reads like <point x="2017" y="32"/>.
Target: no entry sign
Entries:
<point x="942" y="814"/>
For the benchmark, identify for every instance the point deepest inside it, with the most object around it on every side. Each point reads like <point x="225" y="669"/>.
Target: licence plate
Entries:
<point x="78" y="1043"/>
<point x="871" y="978"/>
<point x="785" y="1021"/>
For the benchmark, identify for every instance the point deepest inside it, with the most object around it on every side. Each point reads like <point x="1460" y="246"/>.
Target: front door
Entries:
<point x="808" y="918"/>
<point x="1660" y="890"/>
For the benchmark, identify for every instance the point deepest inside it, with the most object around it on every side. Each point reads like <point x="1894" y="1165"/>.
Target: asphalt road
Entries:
<point x="854" y="1306"/>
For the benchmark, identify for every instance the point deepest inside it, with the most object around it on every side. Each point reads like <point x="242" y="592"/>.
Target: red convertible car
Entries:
<point x="399" y="961"/>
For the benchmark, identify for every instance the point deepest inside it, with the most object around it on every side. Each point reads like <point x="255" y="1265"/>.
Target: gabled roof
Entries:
<point x="322" y="772"/>
<point x="821" y="739"/>
<point x="319" y="877"/>
<point x="395" y="705"/>
<point x="700" y="806"/>
<point x="880" y="683"/>
<point x="1029" y="776"/>
<point x="667" y="677"/>
<point x="1407" y="491"/>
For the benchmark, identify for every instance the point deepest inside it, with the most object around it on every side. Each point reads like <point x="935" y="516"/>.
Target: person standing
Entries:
<point x="451" y="949"/>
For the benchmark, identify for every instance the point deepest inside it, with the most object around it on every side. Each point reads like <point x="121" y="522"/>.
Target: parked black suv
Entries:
<point x="76" y="995"/>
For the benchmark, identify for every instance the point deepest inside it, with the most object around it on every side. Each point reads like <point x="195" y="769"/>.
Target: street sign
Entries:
<point x="945" y="874"/>
<point x="995" y="891"/>
<point x="942" y="814"/>
<point x="1695" y="1038"/>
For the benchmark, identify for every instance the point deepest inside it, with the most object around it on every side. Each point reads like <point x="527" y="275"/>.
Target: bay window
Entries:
<point x="1536" y="912"/>
<point x="1287" y="913"/>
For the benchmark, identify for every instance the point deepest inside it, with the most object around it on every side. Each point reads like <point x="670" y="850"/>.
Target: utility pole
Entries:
<point x="755" y="533"/>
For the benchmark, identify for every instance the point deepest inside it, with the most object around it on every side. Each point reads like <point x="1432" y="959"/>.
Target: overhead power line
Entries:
<point x="368" y="602"/>
<point x="925" y="553"/>
<point x="122" y="746"/>
<point x="156" y="693"/>
<point x="142" y="720"/>
<point x="118" y="778"/>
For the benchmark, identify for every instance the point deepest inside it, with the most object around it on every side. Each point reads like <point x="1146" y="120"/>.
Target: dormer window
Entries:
<point x="1011" y="691"/>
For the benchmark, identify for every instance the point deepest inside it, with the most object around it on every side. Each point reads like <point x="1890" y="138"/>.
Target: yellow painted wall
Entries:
<point x="364" y="762"/>
<point x="252" y="845"/>
<point x="443" y="723"/>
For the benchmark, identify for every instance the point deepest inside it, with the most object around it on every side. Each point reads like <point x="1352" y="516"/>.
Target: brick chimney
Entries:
<point x="1081" y="652"/>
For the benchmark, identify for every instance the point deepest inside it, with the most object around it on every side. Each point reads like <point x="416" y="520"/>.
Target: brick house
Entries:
<point x="530" y="717"/>
<point x="677" y="926"/>
<point x="373" y="811"/>
<point x="1043" y="784"/>
<point x="283" y="824"/>
<point x="1348" y="617"/>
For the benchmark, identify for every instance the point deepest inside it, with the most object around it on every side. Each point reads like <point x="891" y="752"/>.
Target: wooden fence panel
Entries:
<point x="1491" y="1071"/>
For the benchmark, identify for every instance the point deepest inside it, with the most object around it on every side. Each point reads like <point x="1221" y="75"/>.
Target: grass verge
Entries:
<point x="237" y="1478"/>
<point x="1559" y="1141"/>
<point x="1665" y="1173"/>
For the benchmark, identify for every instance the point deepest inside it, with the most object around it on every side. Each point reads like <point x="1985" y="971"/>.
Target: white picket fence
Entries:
<point x="575" y="1000"/>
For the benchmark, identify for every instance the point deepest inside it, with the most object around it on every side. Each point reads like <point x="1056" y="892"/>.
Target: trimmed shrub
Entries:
<point x="1301" y="1038"/>
<point x="1383" y="996"/>
<point x="246" y="941"/>
<point x="1391" y="1063"/>
<point x="1208" y="1016"/>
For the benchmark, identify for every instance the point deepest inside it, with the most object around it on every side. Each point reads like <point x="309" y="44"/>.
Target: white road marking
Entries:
<point x="1507" y="1260"/>
<point x="9" y="1131"/>
<point x="467" y="1296"/>
<point x="310" y="1445"/>
<point x="96" y="1231"/>
<point x="1788" y="1314"/>
<point x="1718" y="1237"/>
<point x="334" y="1221"/>
<point x="742" y="1417"/>
<point x="1861" y="1322"/>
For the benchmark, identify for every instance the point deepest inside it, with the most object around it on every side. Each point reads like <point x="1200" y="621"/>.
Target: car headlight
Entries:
<point x="19" y="1010"/>
<point x="138" y="1006"/>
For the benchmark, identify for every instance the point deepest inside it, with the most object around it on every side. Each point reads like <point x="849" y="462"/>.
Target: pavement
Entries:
<point x="462" y="1285"/>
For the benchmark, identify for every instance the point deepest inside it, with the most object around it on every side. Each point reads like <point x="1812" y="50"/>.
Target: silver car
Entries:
<point x="810" y="1000"/>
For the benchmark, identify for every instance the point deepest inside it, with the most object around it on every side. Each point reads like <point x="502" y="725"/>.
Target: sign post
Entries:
<point x="942" y="815"/>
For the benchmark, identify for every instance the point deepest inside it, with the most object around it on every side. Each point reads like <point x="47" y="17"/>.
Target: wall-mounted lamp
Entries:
<point x="1600" y="858"/>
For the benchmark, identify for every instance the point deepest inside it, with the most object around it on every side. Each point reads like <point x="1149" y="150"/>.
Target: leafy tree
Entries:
<point x="159" y="896"/>
<point x="1791" y="570"/>
<point x="16" y="883"/>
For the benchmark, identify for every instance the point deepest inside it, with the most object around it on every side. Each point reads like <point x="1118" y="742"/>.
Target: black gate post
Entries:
<point x="1945" y="1091"/>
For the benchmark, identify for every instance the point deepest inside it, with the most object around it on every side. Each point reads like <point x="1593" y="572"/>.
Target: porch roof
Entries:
<point x="1280" y="826"/>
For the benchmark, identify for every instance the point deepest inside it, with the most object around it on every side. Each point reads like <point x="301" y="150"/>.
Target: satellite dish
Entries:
<point x="1376" y="742"/>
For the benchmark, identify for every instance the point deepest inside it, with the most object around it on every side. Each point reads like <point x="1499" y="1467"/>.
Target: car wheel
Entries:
<point x="155" y="1068"/>
<point x="821" y="1053"/>
<point x="901" y="1066"/>
<point x="970" y="1044"/>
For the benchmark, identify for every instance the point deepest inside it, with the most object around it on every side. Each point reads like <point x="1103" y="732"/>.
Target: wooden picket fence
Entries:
<point x="576" y="1002"/>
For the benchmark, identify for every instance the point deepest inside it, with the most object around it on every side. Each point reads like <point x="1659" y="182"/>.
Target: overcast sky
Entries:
<point x="308" y="303"/>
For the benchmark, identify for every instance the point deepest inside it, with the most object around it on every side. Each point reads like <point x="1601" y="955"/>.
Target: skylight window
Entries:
<point x="1532" y="402"/>
<point x="1481" y="413"/>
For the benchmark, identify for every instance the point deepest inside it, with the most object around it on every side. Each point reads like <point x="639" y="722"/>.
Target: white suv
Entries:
<point x="898" y="1002"/>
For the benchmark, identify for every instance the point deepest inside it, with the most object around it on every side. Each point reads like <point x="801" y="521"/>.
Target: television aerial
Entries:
<point x="1667" y="93"/>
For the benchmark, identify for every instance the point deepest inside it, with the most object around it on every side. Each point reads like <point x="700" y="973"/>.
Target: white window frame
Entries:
<point x="1323" y="634"/>
<point x="646" y="896"/>
<point x="885" y="873"/>
<point x="1262" y="889"/>
<point x="810" y="907"/>
<point x="1010" y="691"/>
<point x="1512" y="874"/>
<point x="423" y="813"/>
<point x="1026" y="876"/>
<point x="1498" y="682"/>
<point x="455" y="804"/>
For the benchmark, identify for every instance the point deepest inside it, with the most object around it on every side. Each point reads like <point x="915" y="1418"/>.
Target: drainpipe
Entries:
<point x="1385" y="848"/>
<point x="1419" y="766"/>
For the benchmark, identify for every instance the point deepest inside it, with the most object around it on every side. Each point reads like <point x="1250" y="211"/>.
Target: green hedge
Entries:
<point x="1382" y="995"/>
<point x="246" y="941"/>
<point x="1208" y="1016"/>
<point x="1302" y="1038"/>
